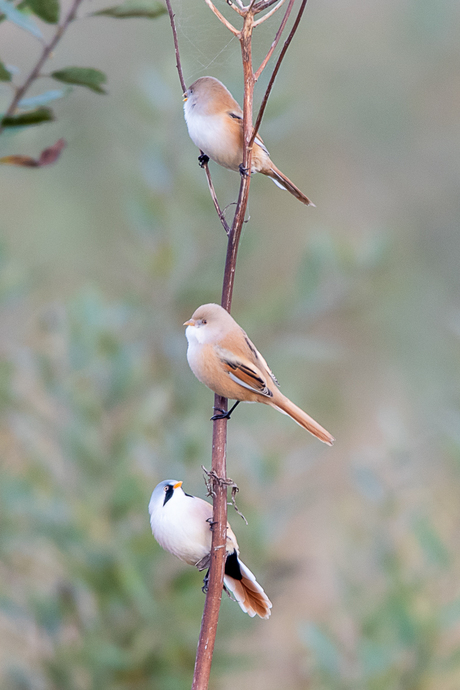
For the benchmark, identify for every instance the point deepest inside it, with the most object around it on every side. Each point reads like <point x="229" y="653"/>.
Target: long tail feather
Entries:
<point x="248" y="593"/>
<point x="284" y="405"/>
<point x="285" y="183"/>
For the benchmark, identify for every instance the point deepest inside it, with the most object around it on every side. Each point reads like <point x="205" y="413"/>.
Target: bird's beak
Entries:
<point x="184" y="95"/>
<point x="176" y="486"/>
<point x="190" y="322"/>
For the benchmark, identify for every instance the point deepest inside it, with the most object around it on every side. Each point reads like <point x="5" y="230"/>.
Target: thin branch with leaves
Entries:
<point x="36" y="70"/>
<point x="35" y="111"/>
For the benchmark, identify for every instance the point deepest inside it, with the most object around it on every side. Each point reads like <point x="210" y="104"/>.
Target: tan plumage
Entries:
<point x="222" y="357"/>
<point x="215" y="124"/>
<point x="181" y="525"/>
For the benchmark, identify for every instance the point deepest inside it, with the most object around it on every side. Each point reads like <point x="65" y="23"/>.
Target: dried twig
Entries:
<point x="176" y="46"/>
<point x="263" y="5"/>
<point x="220" y="16"/>
<point x="269" y="14"/>
<point x="211" y="476"/>
<point x="220" y="213"/>
<point x="184" y="89"/>
<point x="241" y="10"/>
<point x="276" y="40"/>
<point x="47" y="50"/>
<point x="276" y="69"/>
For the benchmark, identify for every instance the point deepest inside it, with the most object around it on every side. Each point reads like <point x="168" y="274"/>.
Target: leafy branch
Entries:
<point x="35" y="72"/>
<point x="33" y="111"/>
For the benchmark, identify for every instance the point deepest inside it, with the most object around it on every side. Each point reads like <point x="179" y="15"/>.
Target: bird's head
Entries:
<point x="208" y="324"/>
<point x="164" y="492"/>
<point x="207" y="95"/>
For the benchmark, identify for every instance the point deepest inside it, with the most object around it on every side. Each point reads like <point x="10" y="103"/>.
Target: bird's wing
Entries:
<point x="237" y="114"/>
<point x="259" y="357"/>
<point x="243" y="372"/>
<point x="200" y="507"/>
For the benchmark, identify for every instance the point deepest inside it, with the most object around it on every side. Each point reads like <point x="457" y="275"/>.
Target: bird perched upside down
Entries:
<point x="181" y="525"/>
<point x="215" y="124"/>
<point x="222" y="357"/>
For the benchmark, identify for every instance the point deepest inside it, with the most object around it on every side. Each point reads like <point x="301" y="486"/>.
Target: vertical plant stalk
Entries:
<point x="219" y="436"/>
<point x="47" y="50"/>
<point x="218" y="475"/>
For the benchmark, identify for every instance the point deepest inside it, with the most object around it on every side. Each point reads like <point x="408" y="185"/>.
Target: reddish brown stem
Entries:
<point x="219" y="439"/>
<point x="277" y="66"/>
<point x="216" y="573"/>
<point x="212" y="191"/>
<point x="176" y="46"/>
<point x="275" y="40"/>
<point x="219" y="445"/>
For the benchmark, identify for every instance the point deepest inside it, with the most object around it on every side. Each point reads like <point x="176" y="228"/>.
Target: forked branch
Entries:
<point x="218" y="474"/>
<point x="269" y="14"/>
<point x="276" y="40"/>
<point x="286" y="45"/>
<point x="224" y="21"/>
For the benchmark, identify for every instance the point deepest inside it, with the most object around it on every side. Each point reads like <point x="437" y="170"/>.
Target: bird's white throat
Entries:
<point x="198" y="335"/>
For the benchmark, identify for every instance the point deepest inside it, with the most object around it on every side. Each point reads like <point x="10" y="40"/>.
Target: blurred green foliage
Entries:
<point x="355" y="305"/>
<point x="75" y="535"/>
<point x="402" y="630"/>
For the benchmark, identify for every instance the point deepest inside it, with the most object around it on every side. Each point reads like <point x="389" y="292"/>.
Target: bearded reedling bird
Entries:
<point x="215" y="124"/>
<point x="222" y="357"/>
<point x="181" y="524"/>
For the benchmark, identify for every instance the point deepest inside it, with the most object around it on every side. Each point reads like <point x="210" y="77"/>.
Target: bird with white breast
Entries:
<point x="215" y="124"/>
<point x="222" y="357"/>
<point x="181" y="524"/>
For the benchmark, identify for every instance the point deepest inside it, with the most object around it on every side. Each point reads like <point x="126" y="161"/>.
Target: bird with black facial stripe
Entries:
<point x="181" y="524"/>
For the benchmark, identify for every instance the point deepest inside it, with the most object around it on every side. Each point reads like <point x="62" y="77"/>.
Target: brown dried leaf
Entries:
<point x="47" y="157"/>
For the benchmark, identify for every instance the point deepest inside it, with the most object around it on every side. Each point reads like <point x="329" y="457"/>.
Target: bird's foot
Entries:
<point x="203" y="159"/>
<point x="244" y="172"/>
<point x="211" y="522"/>
<point x="223" y="414"/>
<point x="204" y="589"/>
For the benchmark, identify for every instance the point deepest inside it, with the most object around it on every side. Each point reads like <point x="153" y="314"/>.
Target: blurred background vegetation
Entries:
<point x="355" y="304"/>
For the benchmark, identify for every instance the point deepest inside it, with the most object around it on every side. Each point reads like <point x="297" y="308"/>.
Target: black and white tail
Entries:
<point x="241" y="582"/>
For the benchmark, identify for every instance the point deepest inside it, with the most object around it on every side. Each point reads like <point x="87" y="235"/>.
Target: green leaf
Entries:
<point x="20" y="19"/>
<point x="134" y="8"/>
<point x="43" y="98"/>
<point x="48" y="10"/>
<point x="82" y="76"/>
<point x="33" y="117"/>
<point x="5" y="75"/>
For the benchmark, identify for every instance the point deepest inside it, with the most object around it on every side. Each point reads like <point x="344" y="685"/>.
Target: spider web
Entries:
<point x="203" y="41"/>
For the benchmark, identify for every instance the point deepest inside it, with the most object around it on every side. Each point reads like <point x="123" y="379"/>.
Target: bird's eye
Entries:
<point x="204" y="322"/>
<point x="166" y="489"/>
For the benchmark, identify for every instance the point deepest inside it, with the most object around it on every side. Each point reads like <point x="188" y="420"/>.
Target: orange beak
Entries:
<point x="176" y="486"/>
<point x="190" y="322"/>
<point x="185" y="97"/>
